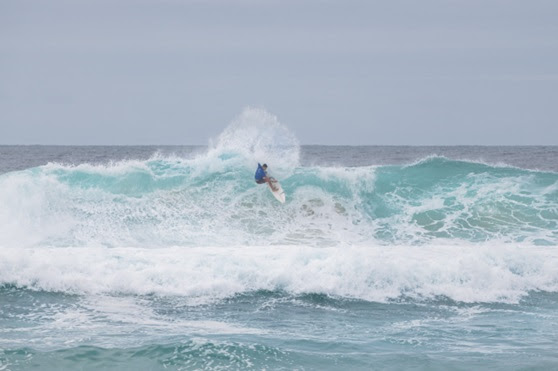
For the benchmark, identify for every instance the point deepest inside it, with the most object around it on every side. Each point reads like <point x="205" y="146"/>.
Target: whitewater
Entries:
<point x="381" y="258"/>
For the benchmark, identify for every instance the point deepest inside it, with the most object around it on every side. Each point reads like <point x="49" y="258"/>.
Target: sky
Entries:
<point x="429" y="72"/>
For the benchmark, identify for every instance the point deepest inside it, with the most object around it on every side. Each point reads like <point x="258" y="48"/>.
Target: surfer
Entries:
<point x="261" y="176"/>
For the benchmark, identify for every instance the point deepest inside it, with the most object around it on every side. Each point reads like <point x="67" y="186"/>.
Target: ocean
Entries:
<point x="382" y="257"/>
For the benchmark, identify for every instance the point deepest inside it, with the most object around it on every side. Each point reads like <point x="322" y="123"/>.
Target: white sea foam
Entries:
<point x="476" y="273"/>
<point x="210" y="199"/>
<point x="178" y="202"/>
<point x="257" y="136"/>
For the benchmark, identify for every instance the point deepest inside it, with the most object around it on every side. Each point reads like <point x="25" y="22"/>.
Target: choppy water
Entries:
<point x="382" y="257"/>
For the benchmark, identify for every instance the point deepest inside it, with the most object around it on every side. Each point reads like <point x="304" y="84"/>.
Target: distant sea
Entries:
<point x="382" y="257"/>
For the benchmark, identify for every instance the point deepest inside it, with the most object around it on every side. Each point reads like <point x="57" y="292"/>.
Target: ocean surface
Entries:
<point x="388" y="258"/>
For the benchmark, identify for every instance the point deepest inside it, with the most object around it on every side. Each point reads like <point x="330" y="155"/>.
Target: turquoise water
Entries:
<point x="381" y="258"/>
<point x="168" y="202"/>
<point x="274" y="330"/>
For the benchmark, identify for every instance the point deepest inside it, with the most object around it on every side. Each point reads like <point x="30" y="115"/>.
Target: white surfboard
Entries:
<point x="279" y="194"/>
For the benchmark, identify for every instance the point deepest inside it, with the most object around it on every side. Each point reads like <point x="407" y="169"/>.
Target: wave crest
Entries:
<point x="173" y="201"/>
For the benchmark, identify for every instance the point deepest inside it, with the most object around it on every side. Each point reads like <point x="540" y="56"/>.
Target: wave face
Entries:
<point x="212" y="200"/>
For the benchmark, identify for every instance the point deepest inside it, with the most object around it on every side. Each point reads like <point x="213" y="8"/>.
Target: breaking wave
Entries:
<point x="200" y="226"/>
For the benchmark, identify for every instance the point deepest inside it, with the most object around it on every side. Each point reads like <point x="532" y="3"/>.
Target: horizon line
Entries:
<point x="302" y="144"/>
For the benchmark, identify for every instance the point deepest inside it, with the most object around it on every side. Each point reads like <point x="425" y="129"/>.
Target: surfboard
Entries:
<point x="279" y="194"/>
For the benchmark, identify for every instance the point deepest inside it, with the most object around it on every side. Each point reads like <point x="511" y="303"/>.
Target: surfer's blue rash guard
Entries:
<point x="260" y="173"/>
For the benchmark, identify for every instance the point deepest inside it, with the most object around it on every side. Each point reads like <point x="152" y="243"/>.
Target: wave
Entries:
<point x="200" y="227"/>
<point x="487" y="273"/>
<point x="212" y="200"/>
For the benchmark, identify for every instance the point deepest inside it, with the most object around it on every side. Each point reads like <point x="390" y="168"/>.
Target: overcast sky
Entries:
<point x="335" y="72"/>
